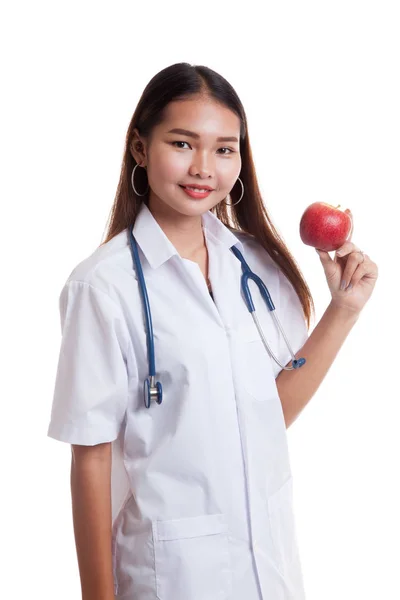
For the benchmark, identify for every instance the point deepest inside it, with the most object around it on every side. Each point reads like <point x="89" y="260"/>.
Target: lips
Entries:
<point x="196" y="193"/>
<point x="197" y="187"/>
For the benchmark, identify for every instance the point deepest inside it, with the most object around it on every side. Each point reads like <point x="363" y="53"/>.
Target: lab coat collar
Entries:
<point x="156" y="246"/>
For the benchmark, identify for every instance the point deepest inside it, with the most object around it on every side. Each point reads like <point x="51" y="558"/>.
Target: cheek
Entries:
<point x="228" y="171"/>
<point x="168" y="167"/>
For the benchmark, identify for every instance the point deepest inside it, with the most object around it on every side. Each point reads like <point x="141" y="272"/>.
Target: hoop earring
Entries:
<point x="133" y="182"/>
<point x="230" y="203"/>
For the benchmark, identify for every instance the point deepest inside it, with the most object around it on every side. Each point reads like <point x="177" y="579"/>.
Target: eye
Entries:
<point x="179" y="143"/>
<point x="225" y="153"/>
<point x="230" y="150"/>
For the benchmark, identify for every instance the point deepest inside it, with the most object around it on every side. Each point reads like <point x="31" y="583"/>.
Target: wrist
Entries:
<point x="343" y="312"/>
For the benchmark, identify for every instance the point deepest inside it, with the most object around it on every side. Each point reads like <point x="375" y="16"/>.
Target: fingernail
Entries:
<point x="339" y="253"/>
<point x="349" y="287"/>
<point x="343" y="284"/>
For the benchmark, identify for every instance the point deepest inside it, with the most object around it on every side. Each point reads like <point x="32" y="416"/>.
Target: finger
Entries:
<point x="358" y="274"/>
<point x="367" y="270"/>
<point x="348" y="211"/>
<point x="353" y="261"/>
<point x="346" y="249"/>
<point x="324" y="256"/>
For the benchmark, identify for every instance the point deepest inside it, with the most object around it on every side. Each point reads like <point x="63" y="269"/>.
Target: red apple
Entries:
<point x="324" y="226"/>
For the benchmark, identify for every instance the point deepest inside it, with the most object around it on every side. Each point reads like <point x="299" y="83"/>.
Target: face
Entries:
<point x="175" y="159"/>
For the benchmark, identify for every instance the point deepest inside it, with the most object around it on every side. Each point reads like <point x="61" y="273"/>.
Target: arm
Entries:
<point x="91" y="508"/>
<point x="297" y="387"/>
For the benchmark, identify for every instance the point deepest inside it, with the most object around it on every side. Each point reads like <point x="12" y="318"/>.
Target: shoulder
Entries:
<point x="105" y="270"/>
<point x="91" y="301"/>
<point x="103" y="277"/>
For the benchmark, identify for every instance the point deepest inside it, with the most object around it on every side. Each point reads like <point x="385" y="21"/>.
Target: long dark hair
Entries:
<point x="179" y="82"/>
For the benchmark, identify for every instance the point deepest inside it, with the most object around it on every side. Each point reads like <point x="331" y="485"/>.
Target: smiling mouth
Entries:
<point x="196" y="189"/>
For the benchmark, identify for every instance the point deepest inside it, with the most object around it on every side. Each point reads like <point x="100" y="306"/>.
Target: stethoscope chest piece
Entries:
<point x="152" y="392"/>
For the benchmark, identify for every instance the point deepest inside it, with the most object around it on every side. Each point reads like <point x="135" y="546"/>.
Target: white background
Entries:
<point x="320" y="85"/>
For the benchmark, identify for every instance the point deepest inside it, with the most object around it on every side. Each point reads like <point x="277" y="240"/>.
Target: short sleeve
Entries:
<point x="291" y="316"/>
<point x="91" y="386"/>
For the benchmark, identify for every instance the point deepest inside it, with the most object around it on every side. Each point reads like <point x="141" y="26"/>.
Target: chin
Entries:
<point x="190" y="209"/>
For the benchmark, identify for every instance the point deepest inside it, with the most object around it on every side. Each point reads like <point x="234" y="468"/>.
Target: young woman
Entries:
<point x="181" y="482"/>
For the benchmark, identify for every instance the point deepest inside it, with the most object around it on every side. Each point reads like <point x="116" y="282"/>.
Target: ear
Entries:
<point x="138" y="148"/>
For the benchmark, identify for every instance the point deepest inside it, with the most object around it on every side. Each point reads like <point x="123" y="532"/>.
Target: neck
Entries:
<point x="184" y="232"/>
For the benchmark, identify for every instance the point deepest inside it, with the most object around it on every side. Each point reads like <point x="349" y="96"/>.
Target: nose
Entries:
<point x="202" y="165"/>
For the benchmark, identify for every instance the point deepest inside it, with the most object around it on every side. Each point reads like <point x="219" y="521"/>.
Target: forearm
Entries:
<point x="91" y="507"/>
<point x="297" y="387"/>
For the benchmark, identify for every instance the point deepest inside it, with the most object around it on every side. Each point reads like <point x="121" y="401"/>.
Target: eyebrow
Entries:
<point x="196" y="135"/>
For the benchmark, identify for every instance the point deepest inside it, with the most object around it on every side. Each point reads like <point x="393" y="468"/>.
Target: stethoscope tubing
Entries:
<point x="153" y="389"/>
<point x="247" y="274"/>
<point x="146" y="303"/>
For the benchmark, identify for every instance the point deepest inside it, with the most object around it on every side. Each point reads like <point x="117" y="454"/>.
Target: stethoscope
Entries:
<point x="153" y="389"/>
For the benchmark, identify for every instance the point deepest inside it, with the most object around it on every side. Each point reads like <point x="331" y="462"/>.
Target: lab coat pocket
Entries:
<point x="192" y="559"/>
<point x="281" y="517"/>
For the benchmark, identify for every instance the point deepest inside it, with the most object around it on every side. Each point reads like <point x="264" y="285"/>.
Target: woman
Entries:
<point x="189" y="496"/>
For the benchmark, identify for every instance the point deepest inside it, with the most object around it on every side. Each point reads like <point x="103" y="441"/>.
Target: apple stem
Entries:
<point x="338" y="206"/>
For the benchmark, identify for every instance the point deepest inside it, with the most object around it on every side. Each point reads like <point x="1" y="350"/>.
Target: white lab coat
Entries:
<point x="201" y="484"/>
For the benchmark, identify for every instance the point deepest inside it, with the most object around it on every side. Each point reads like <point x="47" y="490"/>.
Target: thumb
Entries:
<point x="329" y="265"/>
<point x="326" y="260"/>
<point x="324" y="256"/>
